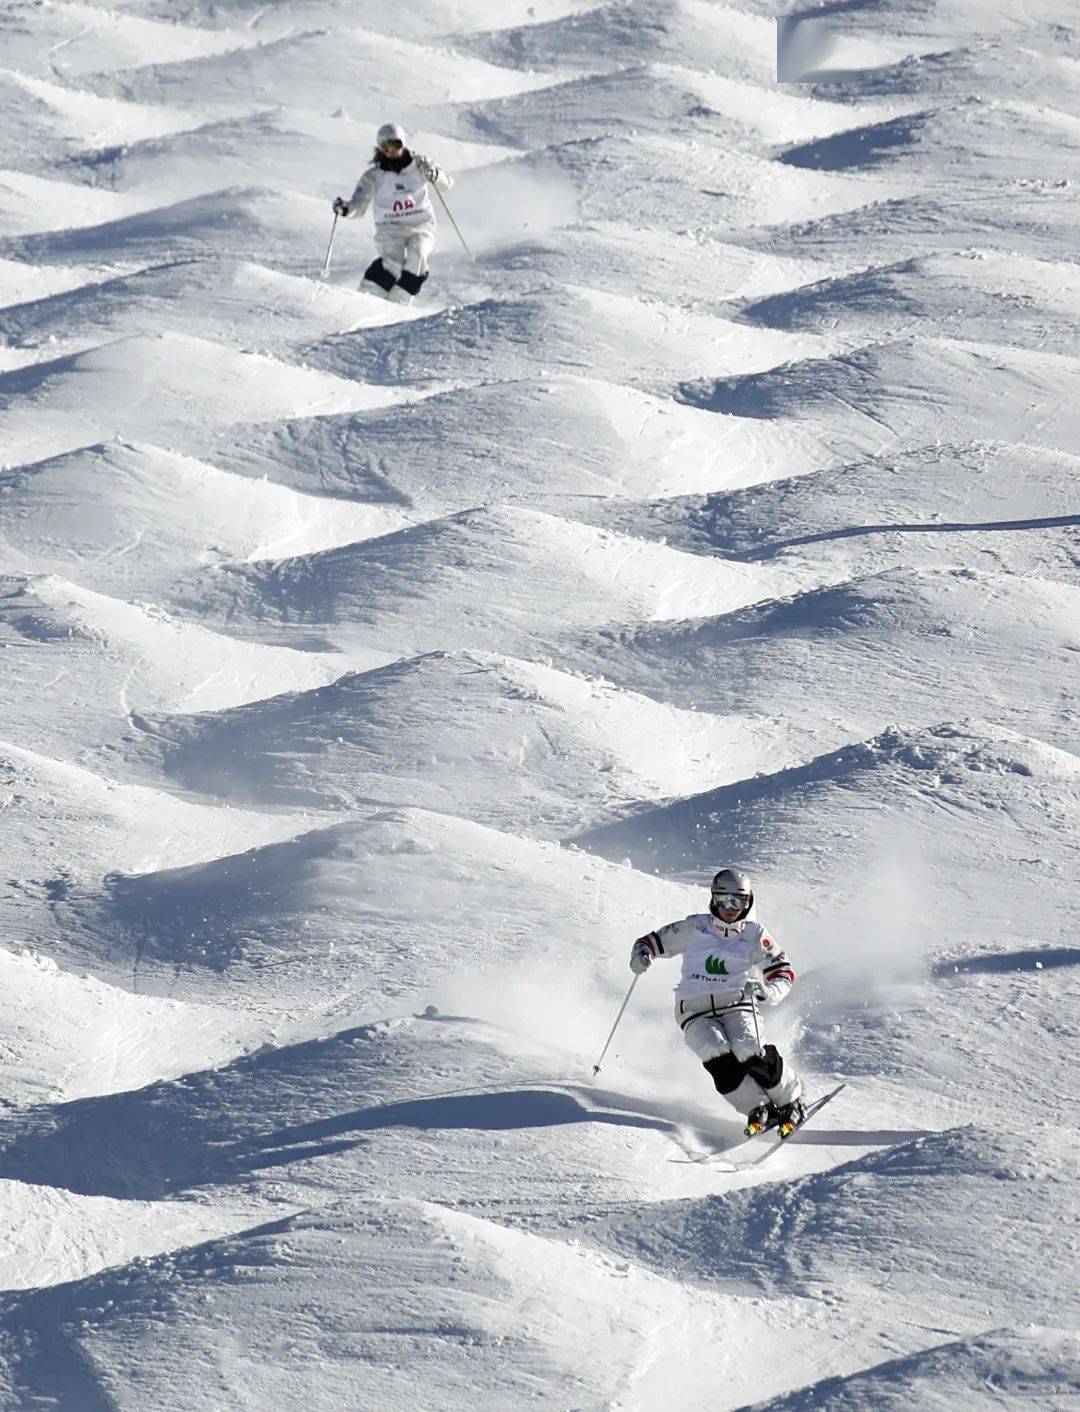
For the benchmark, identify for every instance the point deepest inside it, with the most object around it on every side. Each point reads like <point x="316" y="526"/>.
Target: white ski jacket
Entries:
<point x="400" y="199"/>
<point x="718" y="961"/>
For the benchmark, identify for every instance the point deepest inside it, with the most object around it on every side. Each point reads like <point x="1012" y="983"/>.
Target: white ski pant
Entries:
<point x="742" y="1070"/>
<point x="401" y="249"/>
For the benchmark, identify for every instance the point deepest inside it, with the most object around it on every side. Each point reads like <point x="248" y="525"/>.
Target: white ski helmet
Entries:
<point x="733" y="887"/>
<point x="390" y="132"/>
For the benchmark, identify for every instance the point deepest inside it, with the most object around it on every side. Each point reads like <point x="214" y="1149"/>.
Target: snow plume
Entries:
<point x="561" y="1012"/>
<point x="506" y="203"/>
<point x="871" y="947"/>
<point x="553" y="1007"/>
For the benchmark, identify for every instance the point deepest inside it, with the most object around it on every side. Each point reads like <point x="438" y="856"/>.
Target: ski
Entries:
<point x="703" y="1159"/>
<point x="811" y="1109"/>
<point x="724" y="1153"/>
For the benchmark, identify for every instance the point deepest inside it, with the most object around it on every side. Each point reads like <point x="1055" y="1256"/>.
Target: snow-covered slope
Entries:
<point x="985" y="295"/>
<point x="68" y="1036"/>
<point x="1002" y="500"/>
<point x="152" y="513"/>
<point x="968" y="772"/>
<point x="372" y="676"/>
<point x="511" y="441"/>
<point x="886" y="395"/>
<point x="443" y="729"/>
<point x="908" y="646"/>
<point x="323" y="914"/>
<point x="370" y="594"/>
<point x="487" y="339"/>
<point x="67" y="822"/>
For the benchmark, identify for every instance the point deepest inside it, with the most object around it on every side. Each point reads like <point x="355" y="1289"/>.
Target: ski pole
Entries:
<point x="618" y="1017"/>
<point x="454" y="223"/>
<point x="330" y="246"/>
<point x="757" y="1027"/>
<point x="326" y="262"/>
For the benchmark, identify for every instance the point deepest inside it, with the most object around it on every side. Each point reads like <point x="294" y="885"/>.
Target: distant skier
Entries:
<point x="398" y="185"/>
<point x="729" y="963"/>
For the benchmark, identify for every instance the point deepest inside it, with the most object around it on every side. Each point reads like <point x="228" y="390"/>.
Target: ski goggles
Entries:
<point x="731" y="901"/>
<point x="391" y="144"/>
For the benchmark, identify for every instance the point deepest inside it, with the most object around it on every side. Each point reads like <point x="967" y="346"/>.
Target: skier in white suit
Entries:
<point x="730" y="964"/>
<point x="397" y="186"/>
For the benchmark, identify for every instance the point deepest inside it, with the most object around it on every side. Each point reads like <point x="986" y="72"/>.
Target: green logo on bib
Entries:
<point x="715" y="966"/>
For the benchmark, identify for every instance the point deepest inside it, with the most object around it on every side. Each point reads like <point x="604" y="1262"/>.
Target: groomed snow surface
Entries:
<point x="373" y="676"/>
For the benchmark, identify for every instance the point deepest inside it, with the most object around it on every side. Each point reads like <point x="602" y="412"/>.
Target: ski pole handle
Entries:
<point x="615" y="1026"/>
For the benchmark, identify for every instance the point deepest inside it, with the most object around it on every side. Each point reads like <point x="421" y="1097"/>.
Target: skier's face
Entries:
<point x="392" y="147"/>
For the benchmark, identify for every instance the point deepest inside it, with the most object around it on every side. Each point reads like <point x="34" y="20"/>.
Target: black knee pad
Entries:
<point x="726" y="1072"/>
<point x="378" y="274"/>
<point x="766" y="1068"/>
<point x="410" y="283"/>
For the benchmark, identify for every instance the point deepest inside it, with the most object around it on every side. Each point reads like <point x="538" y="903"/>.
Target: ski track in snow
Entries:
<point x="374" y="676"/>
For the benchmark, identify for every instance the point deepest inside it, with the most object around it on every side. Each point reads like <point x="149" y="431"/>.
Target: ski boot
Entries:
<point x="759" y="1118"/>
<point x="789" y="1117"/>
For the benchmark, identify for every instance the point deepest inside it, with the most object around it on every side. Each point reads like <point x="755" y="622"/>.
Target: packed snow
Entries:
<point x="375" y="674"/>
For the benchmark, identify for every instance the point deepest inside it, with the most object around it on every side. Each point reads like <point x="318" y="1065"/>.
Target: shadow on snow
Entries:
<point x="1046" y="958"/>
<point x="272" y="1109"/>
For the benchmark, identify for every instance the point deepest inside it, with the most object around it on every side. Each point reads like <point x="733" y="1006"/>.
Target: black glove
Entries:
<point x="341" y="206"/>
